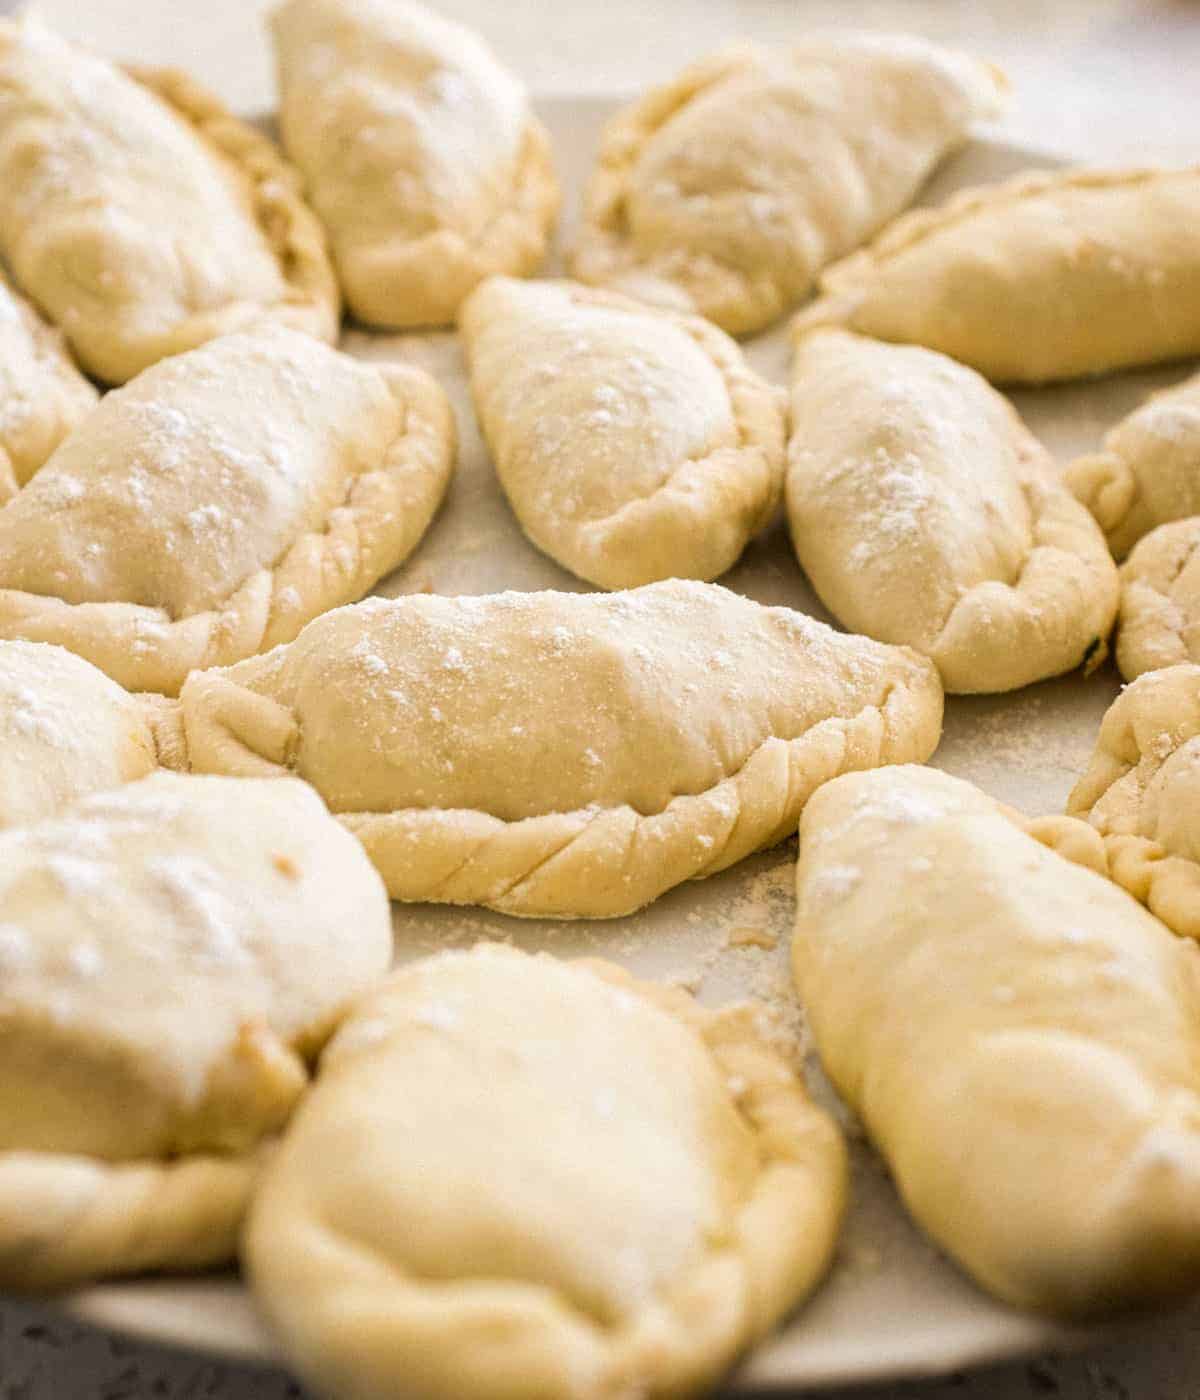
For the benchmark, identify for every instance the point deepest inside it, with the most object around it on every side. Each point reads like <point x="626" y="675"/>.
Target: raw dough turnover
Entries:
<point x="923" y="511"/>
<point x="561" y="754"/>
<point x="171" y="953"/>
<point x="1160" y="600"/>
<point x="213" y="506"/>
<point x="665" y="1193"/>
<point x="1050" y="275"/>
<point x="1148" y="472"/>
<point x="1141" y="795"/>
<point x="1021" y="1039"/>
<point x="633" y="444"/>
<point x="140" y="215"/>
<point x="421" y="154"/>
<point x="66" y="730"/>
<point x="726" y="191"/>
<point x="42" y="395"/>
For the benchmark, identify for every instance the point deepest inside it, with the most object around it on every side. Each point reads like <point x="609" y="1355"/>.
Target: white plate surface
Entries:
<point x="893" y="1306"/>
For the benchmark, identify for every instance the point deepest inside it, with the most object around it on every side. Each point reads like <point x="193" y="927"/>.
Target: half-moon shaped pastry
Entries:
<point x="564" y="755"/>
<point x="726" y="191"/>
<point x="1148" y="472"/>
<point x="421" y="154"/>
<point x="924" y="512"/>
<point x="665" y="1193"/>
<point x="42" y="395"/>
<point x="214" y="505"/>
<point x="140" y="215"/>
<point x="1050" y="275"/>
<point x="634" y="444"/>
<point x="1141" y="794"/>
<point x="1021" y="1039"/>
<point x="172" y="952"/>
<point x="66" y="730"/>
<point x="1160" y="600"/>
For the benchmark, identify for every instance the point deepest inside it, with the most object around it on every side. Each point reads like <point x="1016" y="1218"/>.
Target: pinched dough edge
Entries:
<point x="530" y="1338"/>
<point x="1155" y="630"/>
<point x="405" y="282"/>
<point x="586" y="863"/>
<point x="386" y="511"/>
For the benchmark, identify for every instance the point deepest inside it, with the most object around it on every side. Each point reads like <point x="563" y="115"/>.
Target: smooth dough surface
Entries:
<point x="924" y="512"/>
<point x="42" y="395"/>
<point x="1021" y="1039"/>
<point x="1148" y="471"/>
<point x="66" y="730"/>
<point x="665" y="1193"/>
<point x="1160" y="600"/>
<point x="633" y="444"/>
<point x="421" y="154"/>
<point x="140" y="215"/>
<point x="726" y="191"/>
<point x="1141" y="793"/>
<point x="563" y="754"/>
<point x="1050" y="275"/>
<point x="171" y="953"/>
<point x="210" y="508"/>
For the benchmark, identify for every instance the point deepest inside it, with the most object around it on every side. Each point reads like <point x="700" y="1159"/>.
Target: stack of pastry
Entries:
<point x="495" y="1174"/>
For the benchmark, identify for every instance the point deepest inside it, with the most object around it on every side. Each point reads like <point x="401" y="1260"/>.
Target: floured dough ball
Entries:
<point x="1021" y="1039"/>
<point x="42" y="395"/>
<point x="171" y="954"/>
<point x="561" y="754"/>
<point x="421" y="154"/>
<point x="140" y="215"/>
<point x="1148" y="472"/>
<point x="727" y="190"/>
<point x="66" y="731"/>
<point x="924" y="512"/>
<point x="563" y="1183"/>
<point x="1160" y="600"/>
<point x="214" y="505"/>
<point x="1050" y="275"/>
<point x="634" y="444"/>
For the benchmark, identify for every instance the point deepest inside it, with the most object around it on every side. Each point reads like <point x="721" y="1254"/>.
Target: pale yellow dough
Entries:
<point x="1160" y="600"/>
<point x="140" y="215"/>
<point x="1148" y="472"/>
<point x="1050" y="275"/>
<point x="1021" y="1039"/>
<point x="42" y="395"/>
<point x="214" y="505"/>
<point x="1140" y="797"/>
<point x="66" y="730"/>
<point x="171" y="952"/>
<point x="924" y="512"/>
<point x="726" y="191"/>
<point x="421" y="153"/>
<point x="633" y="444"/>
<point x="629" y="1190"/>
<point x="562" y="754"/>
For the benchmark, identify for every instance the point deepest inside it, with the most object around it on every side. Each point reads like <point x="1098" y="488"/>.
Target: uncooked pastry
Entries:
<point x="213" y="506"/>
<point x="42" y="395"/>
<point x="172" y="952"/>
<point x="420" y="151"/>
<point x="561" y="754"/>
<point x="924" y="512"/>
<point x="1148" y="472"/>
<point x="1050" y="275"/>
<point x="1140" y="795"/>
<point x="1160" y="600"/>
<point x="726" y="191"/>
<point x="140" y="215"/>
<point x="1021" y="1039"/>
<point x="665" y="1190"/>
<point x="633" y="444"/>
<point x="66" y="730"/>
